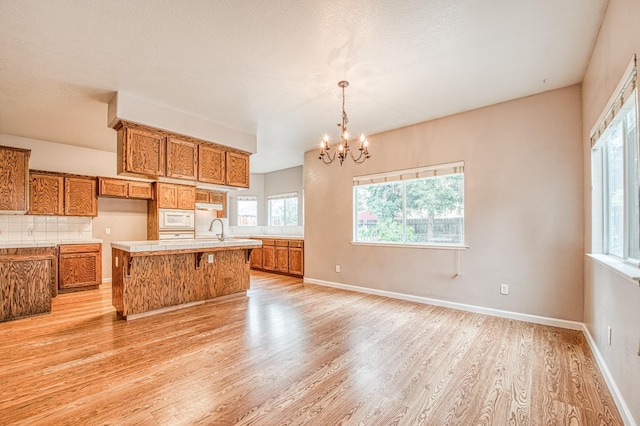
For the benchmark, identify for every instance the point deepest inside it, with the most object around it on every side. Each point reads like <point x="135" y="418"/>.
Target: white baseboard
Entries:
<point x="611" y="383"/>
<point x="106" y="280"/>
<point x="571" y="325"/>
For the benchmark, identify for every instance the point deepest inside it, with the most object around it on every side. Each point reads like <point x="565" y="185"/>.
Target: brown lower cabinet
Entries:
<point x="80" y="266"/>
<point x="268" y="255"/>
<point x="279" y="255"/>
<point x="28" y="278"/>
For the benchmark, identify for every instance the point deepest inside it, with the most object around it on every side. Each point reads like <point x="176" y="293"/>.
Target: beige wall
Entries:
<point x="256" y="180"/>
<point x="610" y="299"/>
<point x="523" y="209"/>
<point x="265" y="184"/>
<point x="127" y="221"/>
<point x="284" y="182"/>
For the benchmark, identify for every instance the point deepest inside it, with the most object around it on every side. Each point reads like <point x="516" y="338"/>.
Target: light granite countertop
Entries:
<point x="44" y="243"/>
<point x="186" y="244"/>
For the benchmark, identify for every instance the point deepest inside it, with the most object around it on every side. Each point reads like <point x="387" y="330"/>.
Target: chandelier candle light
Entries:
<point x="344" y="148"/>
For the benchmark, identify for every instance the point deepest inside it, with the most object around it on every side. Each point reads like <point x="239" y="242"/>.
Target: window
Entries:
<point x="283" y="210"/>
<point x="247" y="210"/>
<point x="615" y="176"/>
<point x="417" y="206"/>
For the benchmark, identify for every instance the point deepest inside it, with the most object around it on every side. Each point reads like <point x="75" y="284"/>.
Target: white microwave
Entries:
<point x="176" y="220"/>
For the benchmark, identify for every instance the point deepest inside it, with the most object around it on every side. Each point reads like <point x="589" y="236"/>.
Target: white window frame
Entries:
<point x="240" y="198"/>
<point x="406" y="176"/>
<point x="287" y="196"/>
<point x="613" y="115"/>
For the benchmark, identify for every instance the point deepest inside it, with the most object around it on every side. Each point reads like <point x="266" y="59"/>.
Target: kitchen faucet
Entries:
<point x="220" y="235"/>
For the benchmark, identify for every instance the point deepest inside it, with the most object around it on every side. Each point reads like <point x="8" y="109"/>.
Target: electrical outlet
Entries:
<point x="210" y="258"/>
<point x="609" y="335"/>
<point x="107" y="231"/>
<point x="504" y="288"/>
<point x="337" y="268"/>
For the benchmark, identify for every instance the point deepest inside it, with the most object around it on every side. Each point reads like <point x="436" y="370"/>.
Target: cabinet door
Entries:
<point x="211" y="164"/>
<point x="182" y="158"/>
<point x="237" y="170"/>
<point x="282" y="259"/>
<point x="80" y="269"/>
<point x="144" y="152"/>
<point x="256" y="258"/>
<point x="296" y="260"/>
<point x="108" y="187"/>
<point x="269" y="258"/>
<point x="140" y="190"/>
<point x="14" y="179"/>
<point x="202" y="196"/>
<point x="80" y="196"/>
<point x="186" y="197"/>
<point x="219" y="197"/>
<point x="45" y="194"/>
<point x="167" y="195"/>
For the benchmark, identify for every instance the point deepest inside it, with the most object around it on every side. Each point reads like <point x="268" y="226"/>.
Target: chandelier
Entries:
<point x="343" y="149"/>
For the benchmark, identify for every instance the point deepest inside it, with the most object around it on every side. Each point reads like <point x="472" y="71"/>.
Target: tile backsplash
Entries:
<point x="44" y="228"/>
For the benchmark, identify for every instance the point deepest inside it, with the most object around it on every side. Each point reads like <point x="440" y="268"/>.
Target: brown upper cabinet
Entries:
<point x="141" y="152"/>
<point x="212" y="164"/>
<point x="182" y="159"/>
<point x="60" y="194"/>
<point x="149" y="152"/>
<point x="80" y="196"/>
<point x="237" y="170"/>
<point x="123" y="188"/>
<point x="172" y="196"/>
<point x="14" y="179"/>
<point x="46" y="194"/>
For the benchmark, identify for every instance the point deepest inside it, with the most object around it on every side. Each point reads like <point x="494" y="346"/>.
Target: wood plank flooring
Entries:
<point x="294" y="354"/>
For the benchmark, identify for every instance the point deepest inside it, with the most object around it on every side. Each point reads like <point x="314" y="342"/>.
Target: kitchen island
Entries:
<point x="159" y="275"/>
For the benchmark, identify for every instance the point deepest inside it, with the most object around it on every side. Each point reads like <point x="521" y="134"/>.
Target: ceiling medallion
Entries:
<point x="343" y="149"/>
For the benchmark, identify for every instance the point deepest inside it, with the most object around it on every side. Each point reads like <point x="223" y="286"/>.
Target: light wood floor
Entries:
<point x="294" y="354"/>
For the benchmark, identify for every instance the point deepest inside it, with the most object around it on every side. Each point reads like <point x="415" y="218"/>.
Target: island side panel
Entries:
<point x="118" y="259"/>
<point x="231" y="273"/>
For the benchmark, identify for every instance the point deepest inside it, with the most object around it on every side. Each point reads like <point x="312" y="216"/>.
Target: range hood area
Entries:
<point x="209" y="206"/>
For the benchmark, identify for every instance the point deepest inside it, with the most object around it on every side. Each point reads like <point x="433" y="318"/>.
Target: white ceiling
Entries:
<point x="271" y="67"/>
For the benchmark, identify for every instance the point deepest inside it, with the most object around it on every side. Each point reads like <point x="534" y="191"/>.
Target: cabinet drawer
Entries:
<point x="112" y="187"/>
<point x="79" y="248"/>
<point x="282" y="243"/>
<point x="268" y="242"/>
<point x="140" y="190"/>
<point x="296" y="243"/>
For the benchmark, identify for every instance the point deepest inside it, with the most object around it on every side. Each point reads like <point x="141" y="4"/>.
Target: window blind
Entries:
<point x="416" y="173"/>
<point x="280" y="196"/>
<point x="625" y="90"/>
